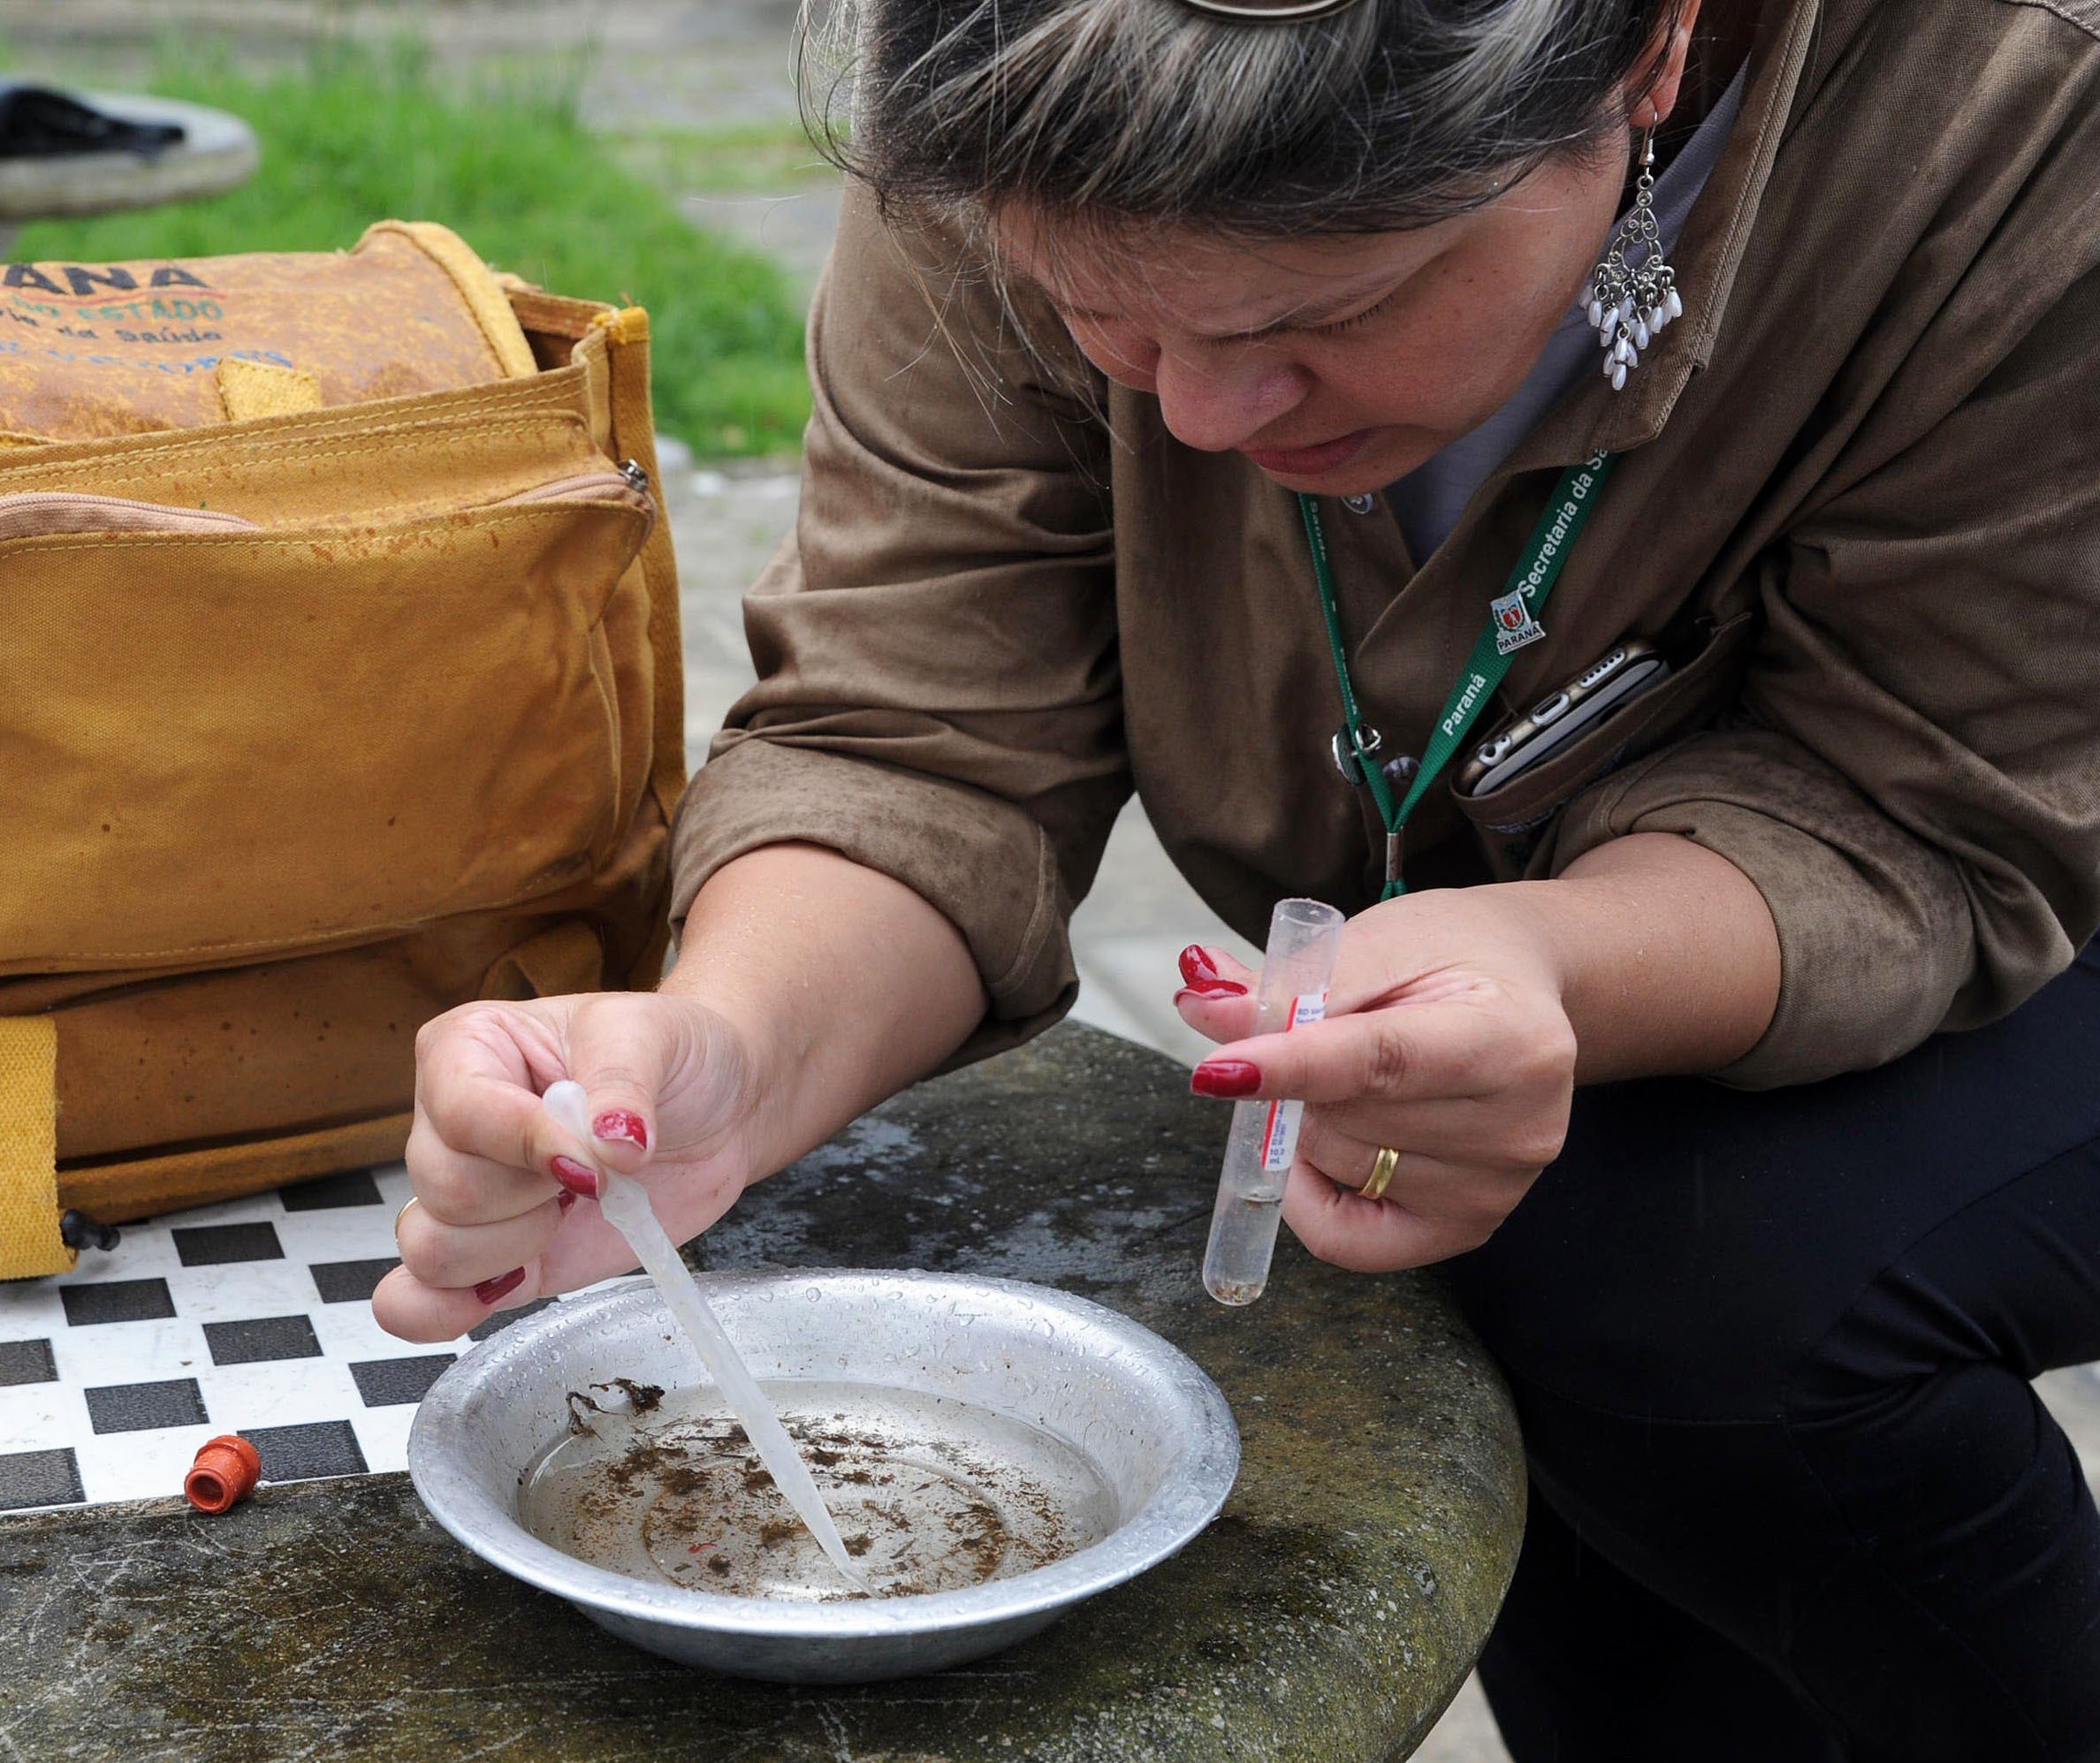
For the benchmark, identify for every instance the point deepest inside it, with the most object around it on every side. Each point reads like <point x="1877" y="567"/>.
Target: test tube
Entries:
<point x="1295" y="970"/>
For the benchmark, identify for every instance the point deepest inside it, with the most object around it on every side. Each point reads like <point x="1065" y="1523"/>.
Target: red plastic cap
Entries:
<point x="226" y="1473"/>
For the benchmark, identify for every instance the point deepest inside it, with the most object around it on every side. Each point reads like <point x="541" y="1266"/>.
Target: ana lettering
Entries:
<point x="82" y="279"/>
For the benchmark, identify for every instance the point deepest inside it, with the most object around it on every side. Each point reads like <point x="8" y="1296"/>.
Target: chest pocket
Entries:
<point x="1511" y="819"/>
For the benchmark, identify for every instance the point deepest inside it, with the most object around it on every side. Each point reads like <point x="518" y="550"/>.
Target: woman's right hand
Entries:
<point x="502" y="1213"/>
<point x="807" y="989"/>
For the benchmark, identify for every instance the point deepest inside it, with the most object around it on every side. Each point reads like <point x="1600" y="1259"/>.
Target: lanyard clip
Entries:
<point x="1352" y="749"/>
<point x="1399" y="771"/>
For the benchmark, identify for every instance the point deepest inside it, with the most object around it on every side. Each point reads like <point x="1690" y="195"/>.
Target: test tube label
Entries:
<point x="1280" y="1128"/>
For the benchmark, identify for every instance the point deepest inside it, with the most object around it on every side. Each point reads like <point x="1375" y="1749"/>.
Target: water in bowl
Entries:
<point x="929" y="1494"/>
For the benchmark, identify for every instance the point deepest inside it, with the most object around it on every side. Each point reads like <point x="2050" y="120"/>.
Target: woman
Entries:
<point x="1137" y="304"/>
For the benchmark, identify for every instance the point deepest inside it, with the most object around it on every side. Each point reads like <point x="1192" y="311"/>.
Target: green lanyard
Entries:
<point x="1512" y="622"/>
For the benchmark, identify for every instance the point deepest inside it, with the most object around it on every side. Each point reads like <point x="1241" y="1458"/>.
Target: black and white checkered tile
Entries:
<point x="252" y="1316"/>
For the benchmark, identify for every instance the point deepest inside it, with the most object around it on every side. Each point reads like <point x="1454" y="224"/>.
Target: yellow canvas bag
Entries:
<point x="340" y="684"/>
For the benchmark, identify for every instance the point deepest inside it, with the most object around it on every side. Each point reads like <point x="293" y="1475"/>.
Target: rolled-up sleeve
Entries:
<point x="1912" y="777"/>
<point x="939" y="695"/>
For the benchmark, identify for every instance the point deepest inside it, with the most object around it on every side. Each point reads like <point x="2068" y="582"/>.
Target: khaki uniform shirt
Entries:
<point x="1859" y="499"/>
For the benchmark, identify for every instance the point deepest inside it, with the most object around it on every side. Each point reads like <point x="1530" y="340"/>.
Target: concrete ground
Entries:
<point x="634" y="64"/>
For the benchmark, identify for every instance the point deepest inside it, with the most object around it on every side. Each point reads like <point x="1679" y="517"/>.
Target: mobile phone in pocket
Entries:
<point x="1614" y="680"/>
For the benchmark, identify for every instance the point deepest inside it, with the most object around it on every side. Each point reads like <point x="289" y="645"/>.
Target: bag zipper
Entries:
<point x="627" y="482"/>
<point x="50" y="513"/>
<point x="46" y="514"/>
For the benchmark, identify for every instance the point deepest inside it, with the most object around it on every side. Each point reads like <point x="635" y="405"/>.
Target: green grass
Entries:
<point x="358" y="138"/>
<point x="752" y="158"/>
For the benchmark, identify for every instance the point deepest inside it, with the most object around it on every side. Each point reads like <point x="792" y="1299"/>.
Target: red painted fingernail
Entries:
<point x="490" y="1290"/>
<point x="564" y="1200"/>
<point x="623" y="1123"/>
<point x="1211" y="988"/>
<point x="1226" y="1077"/>
<point x="574" y="1176"/>
<point x="1197" y="965"/>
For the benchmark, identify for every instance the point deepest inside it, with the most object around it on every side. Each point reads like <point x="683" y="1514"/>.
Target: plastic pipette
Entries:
<point x="1300" y="962"/>
<point x="625" y="1202"/>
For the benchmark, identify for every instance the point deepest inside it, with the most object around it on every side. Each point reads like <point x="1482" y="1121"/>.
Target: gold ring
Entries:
<point x="398" y="1217"/>
<point x="1381" y="1174"/>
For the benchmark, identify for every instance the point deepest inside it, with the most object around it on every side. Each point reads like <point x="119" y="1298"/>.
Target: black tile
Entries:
<point x="40" y="1478"/>
<point x="503" y="1318"/>
<point x="386" y="1383"/>
<point x="300" y="1453"/>
<point x="340" y="1281"/>
<point x="116" y="1301"/>
<point x="267" y="1337"/>
<point x="213" y="1245"/>
<point x="352" y="1187"/>
<point x="27" y="1362"/>
<point x="138" y="1408"/>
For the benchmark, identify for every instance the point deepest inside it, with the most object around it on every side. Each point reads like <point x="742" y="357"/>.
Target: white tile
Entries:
<point x="348" y="1332"/>
<point x="146" y="1465"/>
<point x="338" y="1233"/>
<point x="239" y="1291"/>
<point x="130" y="1352"/>
<point x="383" y="1434"/>
<point x="237" y="1398"/>
<point x="41" y="1416"/>
<point x="278" y="1393"/>
<point x="31" y="1309"/>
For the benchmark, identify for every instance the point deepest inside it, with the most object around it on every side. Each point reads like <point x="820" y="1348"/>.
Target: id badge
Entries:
<point x="1514" y="625"/>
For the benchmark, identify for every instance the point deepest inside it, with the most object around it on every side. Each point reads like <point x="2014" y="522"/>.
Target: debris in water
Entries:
<point x="642" y="1398"/>
<point x="931" y="1494"/>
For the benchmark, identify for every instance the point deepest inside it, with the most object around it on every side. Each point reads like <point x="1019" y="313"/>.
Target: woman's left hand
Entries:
<point x="1446" y="1039"/>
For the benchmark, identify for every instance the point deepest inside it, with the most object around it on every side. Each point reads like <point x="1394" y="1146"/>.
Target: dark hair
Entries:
<point x="1387" y="115"/>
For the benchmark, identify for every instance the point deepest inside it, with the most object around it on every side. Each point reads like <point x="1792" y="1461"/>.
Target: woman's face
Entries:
<point x="1336" y="364"/>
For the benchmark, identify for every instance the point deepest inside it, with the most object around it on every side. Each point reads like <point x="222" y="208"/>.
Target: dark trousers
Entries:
<point x="1792" y="1495"/>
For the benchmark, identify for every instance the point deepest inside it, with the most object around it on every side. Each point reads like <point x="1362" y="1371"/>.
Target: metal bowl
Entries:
<point x="1152" y="1426"/>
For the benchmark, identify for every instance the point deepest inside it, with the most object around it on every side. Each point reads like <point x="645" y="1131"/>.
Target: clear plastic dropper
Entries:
<point x="626" y="1205"/>
<point x="1296" y="967"/>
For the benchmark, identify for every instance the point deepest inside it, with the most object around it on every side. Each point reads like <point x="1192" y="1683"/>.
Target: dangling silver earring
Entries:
<point x="1630" y="303"/>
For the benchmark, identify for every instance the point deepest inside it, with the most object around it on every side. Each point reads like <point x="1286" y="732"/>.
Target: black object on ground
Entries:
<point x="38" y="123"/>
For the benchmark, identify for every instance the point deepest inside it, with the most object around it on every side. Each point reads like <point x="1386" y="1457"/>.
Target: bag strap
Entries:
<point x="478" y="287"/>
<point x="30" y="1244"/>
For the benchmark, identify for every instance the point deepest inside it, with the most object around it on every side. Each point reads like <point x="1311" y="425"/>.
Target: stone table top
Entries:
<point x="1328" y="1614"/>
<point x="218" y="153"/>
